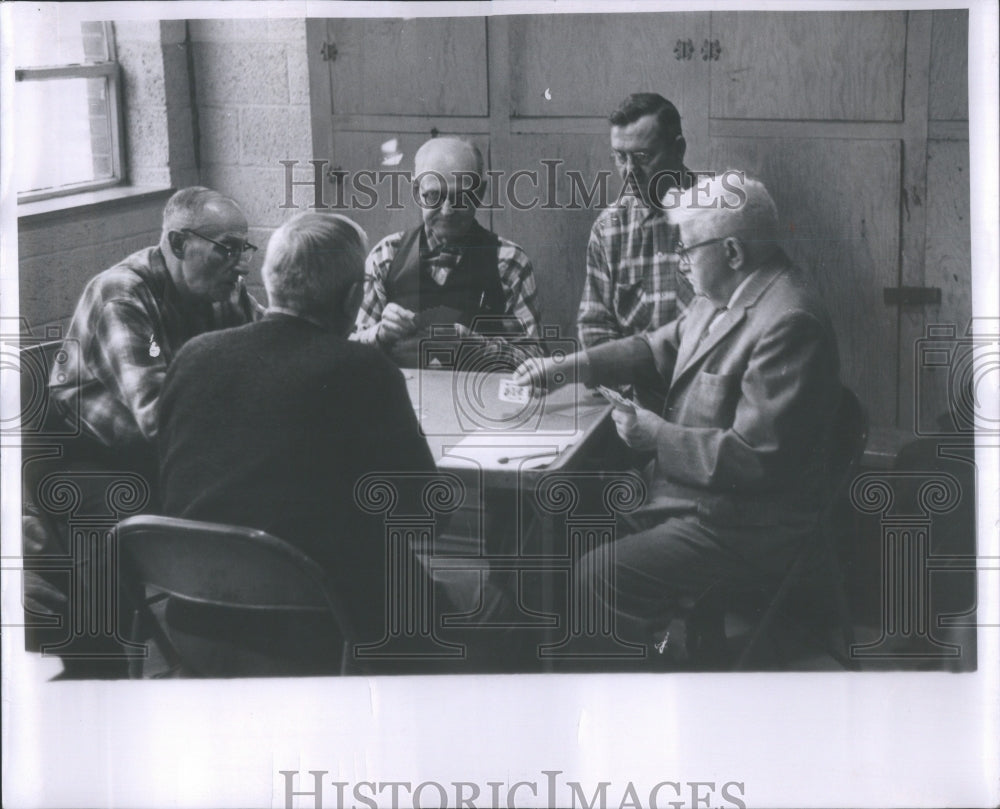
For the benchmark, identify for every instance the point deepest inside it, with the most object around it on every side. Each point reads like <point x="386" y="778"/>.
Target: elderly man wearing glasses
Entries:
<point x="133" y="318"/>
<point x="739" y="447"/>
<point x="632" y="285"/>
<point x="105" y="386"/>
<point x="448" y="271"/>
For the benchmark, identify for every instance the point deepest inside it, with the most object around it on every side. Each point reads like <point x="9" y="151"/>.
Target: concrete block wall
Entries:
<point x="251" y="85"/>
<point x="159" y="128"/>
<point x="61" y="250"/>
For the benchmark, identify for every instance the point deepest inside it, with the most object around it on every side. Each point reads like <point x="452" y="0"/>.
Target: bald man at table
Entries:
<point x="741" y="442"/>
<point x="447" y="273"/>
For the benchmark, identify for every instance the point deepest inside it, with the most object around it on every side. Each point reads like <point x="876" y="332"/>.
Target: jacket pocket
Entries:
<point x="709" y="401"/>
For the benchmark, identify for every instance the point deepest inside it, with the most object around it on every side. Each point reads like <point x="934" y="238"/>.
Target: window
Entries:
<point x="68" y="111"/>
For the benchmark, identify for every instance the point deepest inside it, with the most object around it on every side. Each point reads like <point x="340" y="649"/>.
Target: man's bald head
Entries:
<point x="447" y="156"/>
<point x="448" y="181"/>
<point x="199" y="207"/>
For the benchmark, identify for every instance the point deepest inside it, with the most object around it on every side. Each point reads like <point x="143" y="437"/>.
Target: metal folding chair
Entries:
<point x="817" y="562"/>
<point x="220" y="566"/>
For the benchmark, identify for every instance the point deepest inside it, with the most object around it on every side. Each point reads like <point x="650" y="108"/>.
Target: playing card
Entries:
<point x="616" y="398"/>
<point x="512" y="392"/>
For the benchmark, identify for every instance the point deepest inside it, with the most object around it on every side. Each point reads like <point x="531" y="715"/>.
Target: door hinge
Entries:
<point x="328" y="51"/>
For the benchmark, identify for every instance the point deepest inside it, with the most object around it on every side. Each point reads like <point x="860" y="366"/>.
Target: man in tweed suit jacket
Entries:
<point x="739" y="448"/>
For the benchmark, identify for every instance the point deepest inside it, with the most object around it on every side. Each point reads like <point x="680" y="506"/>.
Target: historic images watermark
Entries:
<point x="583" y="510"/>
<point x="525" y="189"/>
<point x="313" y="789"/>
<point x="931" y="564"/>
<point x="69" y="563"/>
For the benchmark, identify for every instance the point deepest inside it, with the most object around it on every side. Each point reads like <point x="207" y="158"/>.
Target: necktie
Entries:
<point x="440" y="263"/>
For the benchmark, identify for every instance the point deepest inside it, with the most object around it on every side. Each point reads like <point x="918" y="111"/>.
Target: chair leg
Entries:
<point x="764" y="624"/>
<point x="845" y="619"/>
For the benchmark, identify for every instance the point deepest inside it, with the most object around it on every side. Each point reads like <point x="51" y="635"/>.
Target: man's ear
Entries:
<point x="736" y="254"/>
<point x="680" y="146"/>
<point x="176" y="242"/>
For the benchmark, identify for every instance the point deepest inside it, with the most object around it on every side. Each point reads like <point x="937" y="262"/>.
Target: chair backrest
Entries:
<point x="36" y="361"/>
<point x="848" y="439"/>
<point x="226" y="566"/>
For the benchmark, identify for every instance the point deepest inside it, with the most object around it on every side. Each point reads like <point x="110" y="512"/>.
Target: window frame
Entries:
<point x="110" y="70"/>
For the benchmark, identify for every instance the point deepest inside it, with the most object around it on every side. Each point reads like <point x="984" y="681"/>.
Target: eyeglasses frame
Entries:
<point x="227" y="250"/>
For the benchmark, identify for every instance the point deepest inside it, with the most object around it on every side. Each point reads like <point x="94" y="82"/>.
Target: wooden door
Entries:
<point x="856" y="121"/>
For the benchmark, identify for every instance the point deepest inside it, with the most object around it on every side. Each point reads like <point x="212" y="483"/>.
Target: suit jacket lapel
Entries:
<point x="698" y="316"/>
<point x="691" y="350"/>
<point x="728" y="321"/>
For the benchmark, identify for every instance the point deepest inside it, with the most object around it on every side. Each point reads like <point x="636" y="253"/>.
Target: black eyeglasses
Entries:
<point x="684" y="253"/>
<point x="230" y="251"/>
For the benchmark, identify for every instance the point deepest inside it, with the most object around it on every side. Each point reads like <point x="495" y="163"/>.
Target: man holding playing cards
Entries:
<point x="740" y="445"/>
<point x="448" y="274"/>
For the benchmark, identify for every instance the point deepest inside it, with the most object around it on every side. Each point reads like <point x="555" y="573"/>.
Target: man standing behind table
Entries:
<point x="741" y="442"/>
<point x="631" y="285"/>
<point x="448" y="271"/>
<point x="271" y="426"/>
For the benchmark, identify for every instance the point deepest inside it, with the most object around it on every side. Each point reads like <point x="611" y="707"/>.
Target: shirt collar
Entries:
<point x="281" y="311"/>
<point x="739" y="289"/>
<point x="434" y="244"/>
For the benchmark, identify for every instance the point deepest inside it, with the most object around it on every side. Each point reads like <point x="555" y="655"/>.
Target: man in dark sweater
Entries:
<point x="271" y="425"/>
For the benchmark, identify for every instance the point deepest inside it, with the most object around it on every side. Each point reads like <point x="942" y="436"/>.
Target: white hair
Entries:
<point x="313" y="261"/>
<point x="730" y="204"/>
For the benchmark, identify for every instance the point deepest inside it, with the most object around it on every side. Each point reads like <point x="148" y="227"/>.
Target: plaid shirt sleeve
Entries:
<point x="375" y="296"/>
<point x="125" y="363"/>
<point x="596" y="323"/>
<point x="518" y="281"/>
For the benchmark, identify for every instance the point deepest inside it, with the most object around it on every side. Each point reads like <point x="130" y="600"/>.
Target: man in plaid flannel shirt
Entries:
<point x="632" y="285"/>
<point x="449" y="271"/>
<point x="133" y="318"/>
<point x="128" y="325"/>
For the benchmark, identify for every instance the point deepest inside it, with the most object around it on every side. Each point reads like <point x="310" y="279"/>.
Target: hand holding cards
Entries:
<point x="616" y="398"/>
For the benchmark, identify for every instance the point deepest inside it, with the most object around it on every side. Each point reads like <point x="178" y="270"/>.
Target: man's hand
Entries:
<point x="547" y="374"/>
<point x="637" y="427"/>
<point x="396" y="323"/>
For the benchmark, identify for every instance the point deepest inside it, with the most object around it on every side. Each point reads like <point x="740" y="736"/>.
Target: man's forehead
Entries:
<point x="644" y="130"/>
<point x="446" y="157"/>
<point x="222" y="217"/>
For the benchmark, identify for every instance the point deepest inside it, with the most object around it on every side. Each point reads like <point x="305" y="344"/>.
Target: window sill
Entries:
<point x="57" y="207"/>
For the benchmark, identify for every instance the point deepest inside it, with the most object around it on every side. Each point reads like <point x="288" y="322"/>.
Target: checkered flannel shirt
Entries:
<point x="632" y="285"/>
<point x="517" y="279"/>
<point x="129" y="324"/>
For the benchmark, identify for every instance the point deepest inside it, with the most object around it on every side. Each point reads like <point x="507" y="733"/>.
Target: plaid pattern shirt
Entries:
<point x="632" y="284"/>
<point x="517" y="279"/>
<point x="127" y="328"/>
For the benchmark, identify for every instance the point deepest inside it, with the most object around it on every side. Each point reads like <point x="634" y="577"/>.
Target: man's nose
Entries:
<point x="447" y="206"/>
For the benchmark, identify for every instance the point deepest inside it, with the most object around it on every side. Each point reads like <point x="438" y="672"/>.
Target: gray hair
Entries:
<point x="730" y="204"/>
<point x="313" y="260"/>
<point x="186" y="208"/>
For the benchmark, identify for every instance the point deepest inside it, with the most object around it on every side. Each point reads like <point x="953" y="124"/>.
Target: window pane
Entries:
<point x="43" y="41"/>
<point x="63" y="134"/>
